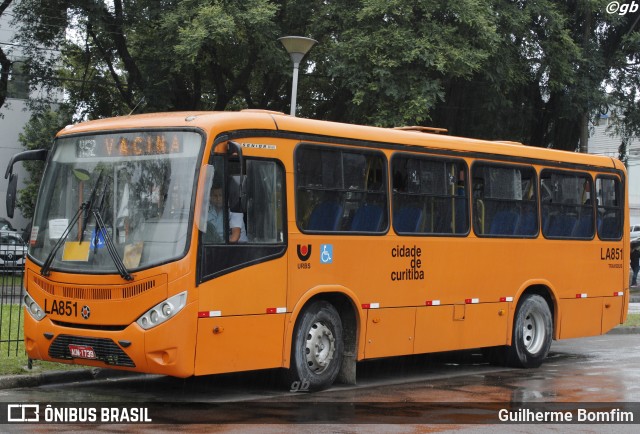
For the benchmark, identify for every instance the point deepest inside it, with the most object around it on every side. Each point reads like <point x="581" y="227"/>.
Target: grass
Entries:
<point x="13" y="358"/>
<point x="633" y="320"/>
<point x="11" y="280"/>
<point x="11" y="344"/>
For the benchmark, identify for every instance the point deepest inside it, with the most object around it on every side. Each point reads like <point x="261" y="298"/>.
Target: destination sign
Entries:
<point x="129" y="145"/>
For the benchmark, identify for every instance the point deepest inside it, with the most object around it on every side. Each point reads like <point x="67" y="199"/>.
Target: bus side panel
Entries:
<point x="455" y="327"/>
<point x="239" y="343"/>
<point x="390" y="332"/>
<point x="572" y="317"/>
<point x="612" y="311"/>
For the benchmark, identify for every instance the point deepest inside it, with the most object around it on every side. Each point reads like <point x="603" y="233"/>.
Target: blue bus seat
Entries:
<point x="526" y="224"/>
<point x="560" y="225"/>
<point x="504" y="223"/>
<point x="325" y="216"/>
<point x="584" y="227"/>
<point x="407" y="219"/>
<point x="367" y="218"/>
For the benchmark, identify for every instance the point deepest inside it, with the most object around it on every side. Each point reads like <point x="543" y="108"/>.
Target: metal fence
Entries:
<point x="12" y="255"/>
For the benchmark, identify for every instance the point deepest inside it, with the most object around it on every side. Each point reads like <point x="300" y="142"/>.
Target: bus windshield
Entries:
<point x="130" y="193"/>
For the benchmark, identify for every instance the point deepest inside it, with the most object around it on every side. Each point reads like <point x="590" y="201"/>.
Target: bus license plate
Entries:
<point x="82" y="352"/>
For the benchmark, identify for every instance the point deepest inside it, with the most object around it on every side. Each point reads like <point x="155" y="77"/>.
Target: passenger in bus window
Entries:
<point x="237" y="232"/>
<point x="586" y="192"/>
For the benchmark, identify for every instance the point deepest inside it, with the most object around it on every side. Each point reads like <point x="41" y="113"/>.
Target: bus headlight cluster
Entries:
<point x="163" y="311"/>
<point x="33" y="308"/>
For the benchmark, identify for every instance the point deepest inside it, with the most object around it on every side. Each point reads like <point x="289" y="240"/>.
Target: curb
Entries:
<point x="624" y="330"/>
<point x="57" y="377"/>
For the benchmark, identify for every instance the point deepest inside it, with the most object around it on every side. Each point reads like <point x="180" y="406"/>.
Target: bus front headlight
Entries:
<point x="33" y="308"/>
<point x="163" y="311"/>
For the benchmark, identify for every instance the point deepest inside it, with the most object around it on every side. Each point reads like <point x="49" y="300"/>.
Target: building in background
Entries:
<point x="604" y="141"/>
<point x="13" y="115"/>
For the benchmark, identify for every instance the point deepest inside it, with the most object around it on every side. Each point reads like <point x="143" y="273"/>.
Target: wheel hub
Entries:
<point x="319" y="347"/>
<point x="533" y="332"/>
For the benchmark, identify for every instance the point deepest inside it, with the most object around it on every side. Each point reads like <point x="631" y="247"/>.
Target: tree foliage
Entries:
<point x="527" y="70"/>
<point x="38" y="134"/>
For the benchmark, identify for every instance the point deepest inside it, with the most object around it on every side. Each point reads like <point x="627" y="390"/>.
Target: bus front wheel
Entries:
<point x="532" y="333"/>
<point x="317" y="351"/>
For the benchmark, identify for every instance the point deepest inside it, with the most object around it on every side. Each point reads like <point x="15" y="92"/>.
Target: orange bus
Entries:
<point x="211" y="242"/>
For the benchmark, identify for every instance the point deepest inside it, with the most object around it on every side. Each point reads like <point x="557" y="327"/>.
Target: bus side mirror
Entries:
<point x="12" y="190"/>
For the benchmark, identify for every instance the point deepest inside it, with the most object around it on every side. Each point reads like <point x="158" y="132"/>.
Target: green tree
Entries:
<point x="38" y="134"/>
<point x="172" y="55"/>
<point x="527" y="70"/>
<point x="385" y="62"/>
<point x="552" y="72"/>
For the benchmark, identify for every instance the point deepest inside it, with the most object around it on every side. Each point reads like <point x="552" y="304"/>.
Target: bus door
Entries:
<point x="242" y="264"/>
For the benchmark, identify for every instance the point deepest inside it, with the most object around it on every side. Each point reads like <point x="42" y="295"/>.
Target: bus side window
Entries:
<point x="340" y="190"/>
<point x="567" y="211"/>
<point x="609" y="197"/>
<point x="504" y="200"/>
<point x="263" y="218"/>
<point x="429" y="195"/>
<point x="264" y="186"/>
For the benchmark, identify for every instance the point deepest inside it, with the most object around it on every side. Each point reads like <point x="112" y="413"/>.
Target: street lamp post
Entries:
<point x="297" y="47"/>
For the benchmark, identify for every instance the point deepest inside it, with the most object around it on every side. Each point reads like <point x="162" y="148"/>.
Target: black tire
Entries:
<point x="532" y="333"/>
<point x="317" y="348"/>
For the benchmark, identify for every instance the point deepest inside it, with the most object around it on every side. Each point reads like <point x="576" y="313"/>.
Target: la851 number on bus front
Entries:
<point x="61" y="307"/>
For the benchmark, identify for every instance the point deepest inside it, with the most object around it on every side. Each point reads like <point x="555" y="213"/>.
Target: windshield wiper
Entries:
<point x="111" y="248"/>
<point x="89" y="203"/>
<point x="101" y="228"/>
<point x="87" y="208"/>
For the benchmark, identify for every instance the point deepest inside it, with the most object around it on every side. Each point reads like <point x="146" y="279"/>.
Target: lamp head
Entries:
<point x="297" y="46"/>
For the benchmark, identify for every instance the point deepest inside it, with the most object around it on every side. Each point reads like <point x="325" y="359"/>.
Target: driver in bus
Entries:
<point x="237" y="232"/>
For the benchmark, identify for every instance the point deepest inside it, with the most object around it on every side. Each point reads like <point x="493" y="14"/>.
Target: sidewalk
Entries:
<point x="634" y="294"/>
<point x="56" y="377"/>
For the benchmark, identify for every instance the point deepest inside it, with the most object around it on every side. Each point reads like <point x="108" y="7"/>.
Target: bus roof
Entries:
<point x="269" y="120"/>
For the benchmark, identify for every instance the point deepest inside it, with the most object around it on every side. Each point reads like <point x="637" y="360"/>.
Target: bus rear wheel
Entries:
<point x="316" y="355"/>
<point x="532" y="333"/>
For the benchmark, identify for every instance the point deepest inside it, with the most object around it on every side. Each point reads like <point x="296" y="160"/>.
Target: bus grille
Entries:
<point x="106" y="350"/>
<point x="111" y="292"/>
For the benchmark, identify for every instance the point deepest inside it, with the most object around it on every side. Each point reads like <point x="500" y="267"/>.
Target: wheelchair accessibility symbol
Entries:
<point x="326" y="253"/>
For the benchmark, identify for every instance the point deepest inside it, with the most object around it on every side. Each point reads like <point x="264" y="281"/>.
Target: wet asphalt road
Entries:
<point x="406" y="394"/>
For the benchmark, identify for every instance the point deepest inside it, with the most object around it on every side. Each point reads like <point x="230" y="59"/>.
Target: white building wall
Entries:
<point x="14" y="120"/>
<point x="14" y="117"/>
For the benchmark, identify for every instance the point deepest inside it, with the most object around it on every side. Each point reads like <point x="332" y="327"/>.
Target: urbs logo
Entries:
<point x="304" y="252"/>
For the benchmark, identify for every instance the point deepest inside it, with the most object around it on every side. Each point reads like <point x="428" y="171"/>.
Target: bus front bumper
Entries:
<point x="166" y="349"/>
